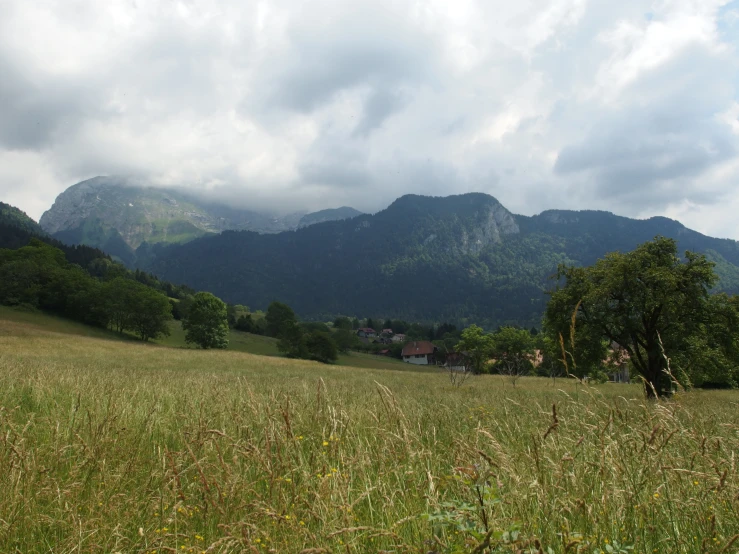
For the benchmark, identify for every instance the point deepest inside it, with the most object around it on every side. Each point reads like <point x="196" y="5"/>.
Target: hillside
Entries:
<point x="460" y="258"/>
<point x="120" y="215"/>
<point x="12" y="216"/>
<point x="17" y="230"/>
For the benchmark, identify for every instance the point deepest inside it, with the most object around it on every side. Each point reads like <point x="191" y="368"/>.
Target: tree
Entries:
<point x="279" y="318"/>
<point x="150" y="313"/>
<point x="117" y="297"/>
<point x="346" y="340"/>
<point x="477" y="345"/>
<point x="206" y="322"/>
<point x="319" y="326"/>
<point x="321" y="347"/>
<point x="513" y="350"/>
<point x="343" y="322"/>
<point x="245" y="323"/>
<point x="292" y="341"/>
<point x="648" y="302"/>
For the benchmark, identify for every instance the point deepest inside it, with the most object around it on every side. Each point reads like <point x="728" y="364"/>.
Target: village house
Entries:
<point x="419" y="353"/>
<point x="366" y="333"/>
<point x="398" y="338"/>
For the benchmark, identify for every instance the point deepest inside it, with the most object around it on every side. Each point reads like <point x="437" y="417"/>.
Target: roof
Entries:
<point x="387" y="331"/>
<point x="418" y="347"/>
<point x="367" y="329"/>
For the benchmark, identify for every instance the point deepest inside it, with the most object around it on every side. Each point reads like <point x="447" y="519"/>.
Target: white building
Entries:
<point x="419" y="353"/>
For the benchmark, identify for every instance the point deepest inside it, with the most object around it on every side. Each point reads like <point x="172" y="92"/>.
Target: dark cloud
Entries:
<point x="35" y="110"/>
<point x="654" y="148"/>
<point x="360" y="45"/>
<point x="644" y="148"/>
<point x="380" y="105"/>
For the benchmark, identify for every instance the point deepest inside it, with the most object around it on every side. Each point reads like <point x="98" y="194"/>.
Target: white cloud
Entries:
<point x="629" y="106"/>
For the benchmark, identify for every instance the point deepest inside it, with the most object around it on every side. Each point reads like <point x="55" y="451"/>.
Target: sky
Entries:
<point x="283" y="105"/>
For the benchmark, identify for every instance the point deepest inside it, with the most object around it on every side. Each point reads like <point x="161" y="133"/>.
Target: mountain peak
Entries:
<point x="133" y="212"/>
<point x="455" y="202"/>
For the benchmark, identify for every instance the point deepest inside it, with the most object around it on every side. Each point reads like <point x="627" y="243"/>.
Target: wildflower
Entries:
<point x="198" y="538"/>
<point x="325" y="443"/>
<point x="656" y="495"/>
<point x="287" y="517"/>
<point x="302" y="522"/>
<point x="695" y="482"/>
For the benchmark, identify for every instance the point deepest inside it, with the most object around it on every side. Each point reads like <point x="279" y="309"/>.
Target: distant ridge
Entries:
<point x="462" y="258"/>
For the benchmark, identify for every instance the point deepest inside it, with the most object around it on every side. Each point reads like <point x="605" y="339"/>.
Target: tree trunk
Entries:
<point x="655" y="386"/>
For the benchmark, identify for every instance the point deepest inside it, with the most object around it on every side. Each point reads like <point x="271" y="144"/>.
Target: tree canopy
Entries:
<point x="279" y="318"/>
<point x="513" y="351"/>
<point x="653" y="305"/>
<point x="477" y="345"/>
<point x="206" y="321"/>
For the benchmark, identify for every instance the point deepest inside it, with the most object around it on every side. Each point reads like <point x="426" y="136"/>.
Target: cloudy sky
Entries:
<point x="630" y="106"/>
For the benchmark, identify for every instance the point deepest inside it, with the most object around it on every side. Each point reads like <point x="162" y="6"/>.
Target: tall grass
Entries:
<point x="111" y="446"/>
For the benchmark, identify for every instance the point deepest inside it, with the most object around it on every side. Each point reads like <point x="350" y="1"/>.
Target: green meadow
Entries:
<point x="112" y="445"/>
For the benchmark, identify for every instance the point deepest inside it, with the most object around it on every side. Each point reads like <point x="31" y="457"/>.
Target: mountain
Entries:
<point x="461" y="258"/>
<point x="120" y="215"/>
<point x="322" y="216"/>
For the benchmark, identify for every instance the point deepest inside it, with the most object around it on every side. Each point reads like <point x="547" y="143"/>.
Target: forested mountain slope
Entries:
<point x="460" y="258"/>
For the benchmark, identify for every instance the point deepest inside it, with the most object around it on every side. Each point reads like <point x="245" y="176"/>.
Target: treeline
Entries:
<point x="107" y="295"/>
<point x="81" y="283"/>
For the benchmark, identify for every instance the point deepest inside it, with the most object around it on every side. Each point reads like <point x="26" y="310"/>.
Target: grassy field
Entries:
<point x="117" y="446"/>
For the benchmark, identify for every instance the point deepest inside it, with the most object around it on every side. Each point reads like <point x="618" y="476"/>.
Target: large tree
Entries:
<point x="477" y="345"/>
<point x="279" y="318"/>
<point x="151" y="313"/>
<point x="206" y="321"/>
<point x="513" y="351"/>
<point x="321" y="347"/>
<point x="652" y="304"/>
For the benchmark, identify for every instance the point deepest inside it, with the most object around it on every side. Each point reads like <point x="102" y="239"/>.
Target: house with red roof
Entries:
<point x="366" y="332"/>
<point x="420" y="352"/>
